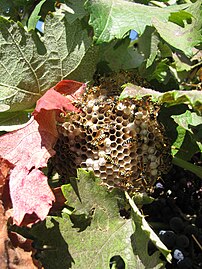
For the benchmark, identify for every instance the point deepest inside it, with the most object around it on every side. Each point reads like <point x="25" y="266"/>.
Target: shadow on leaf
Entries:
<point x="81" y="221"/>
<point x="52" y="250"/>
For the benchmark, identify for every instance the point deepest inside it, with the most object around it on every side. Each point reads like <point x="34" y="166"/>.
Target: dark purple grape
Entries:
<point x="168" y="238"/>
<point x="191" y="230"/>
<point x="186" y="263"/>
<point x="199" y="221"/>
<point x="182" y="241"/>
<point x="176" y="224"/>
<point x="166" y="213"/>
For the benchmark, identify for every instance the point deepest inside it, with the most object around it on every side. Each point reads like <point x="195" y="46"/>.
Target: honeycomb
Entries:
<point x="121" y="141"/>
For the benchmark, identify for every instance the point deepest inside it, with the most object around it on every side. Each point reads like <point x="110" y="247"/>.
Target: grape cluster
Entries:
<point x="178" y="209"/>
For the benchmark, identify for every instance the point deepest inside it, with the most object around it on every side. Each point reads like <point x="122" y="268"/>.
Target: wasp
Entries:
<point x="125" y="174"/>
<point x="92" y="90"/>
<point x="105" y="108"/>
<point x="142" y="178"/>
<point x="79" y="104"/>
<point x="129" y="141"/>
<point x="100" y="136"/>
<point x="109" y="159"/>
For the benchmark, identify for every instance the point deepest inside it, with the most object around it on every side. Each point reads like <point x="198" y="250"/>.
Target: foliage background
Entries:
<point x="84" y="38"/>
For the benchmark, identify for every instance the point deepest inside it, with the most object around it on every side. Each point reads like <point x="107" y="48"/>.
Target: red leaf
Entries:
<point x="35" y="194"/>
<point x="27" y="146"/>
<point x="68" y="87"/>
<point x="52" y="103"/>
<point x="28" y="149"/>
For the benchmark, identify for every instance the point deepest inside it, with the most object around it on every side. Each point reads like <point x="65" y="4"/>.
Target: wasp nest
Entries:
<point x="120" y="140"/>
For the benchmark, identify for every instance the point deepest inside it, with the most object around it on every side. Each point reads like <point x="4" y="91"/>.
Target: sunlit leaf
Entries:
<point x="95" y="232"/>
<point x="33" y="19"/>
<point x="115" y="18"/>
<point x="31" y="64"/>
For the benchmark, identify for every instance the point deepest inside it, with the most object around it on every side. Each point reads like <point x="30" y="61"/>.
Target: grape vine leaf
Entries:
<point x="31" y="64"/>
<point x="143" y="228"/>
<point x="34" y="17"/>
<point x="94" y="232"/>
<point x="10" y="121"/>
<point x="169" y="98"/>
<point x="183" y="30"/>
<point x="115" y="18"/>
<point x="181" y="38"/>
<point x="192" y="98"/>
<point x="118" y="55"/>
<point x="76" y="10"/>
<point x="148" y="45"/>
<point x="190" y="134"/>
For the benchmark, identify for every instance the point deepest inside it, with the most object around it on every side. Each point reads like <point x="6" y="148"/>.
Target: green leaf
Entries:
<point x="183" y="39"/>
<point x="34" y="17"/>
<point x="144" y="232"/>
<point x="138" y="92"/>
<point x="10" y="121"/>
<point x="180" y="17"/>
<point x="94" y="232"/>
<point x="181" y="63"/>
<point x="161" y="72"/>
<point x="75" y="10"/>
<point x="185" y="145"/>
<point x="115" y="18"/>
<point x="188" y="120"/>
<point x="31" y="64"/>
<point x="197" y="170"/>
<point x="170" y="98"/>
<point x="148" y="45"/>
<point x="192" y="98"/>
<point x="120" y="56"/>
<point x="190" y="124"/>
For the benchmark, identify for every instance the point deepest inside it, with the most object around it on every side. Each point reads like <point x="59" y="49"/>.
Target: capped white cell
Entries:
<point x="131" y="126"/>
<point x="107" y="142"/>
<point x="101" y="153"/>
<point x="144" y="125"/>
<point x="90" y="103"/>
<point x="89" y="162"/>
<point x="138" y="115"/>
<point x="154" y="172"/>
<point x="152" y="157"/>
<point x="127" y="111"/>
<point x="151" y="150"/>
<point x="90" y="168"/>
<point x="153" y="165"/>
<point x="144" y="147"/>
<point x="95" y="108"/>
<point x="96" y="165"/>
<point x="102" y="161"/>
<point x="143" y="132"/>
